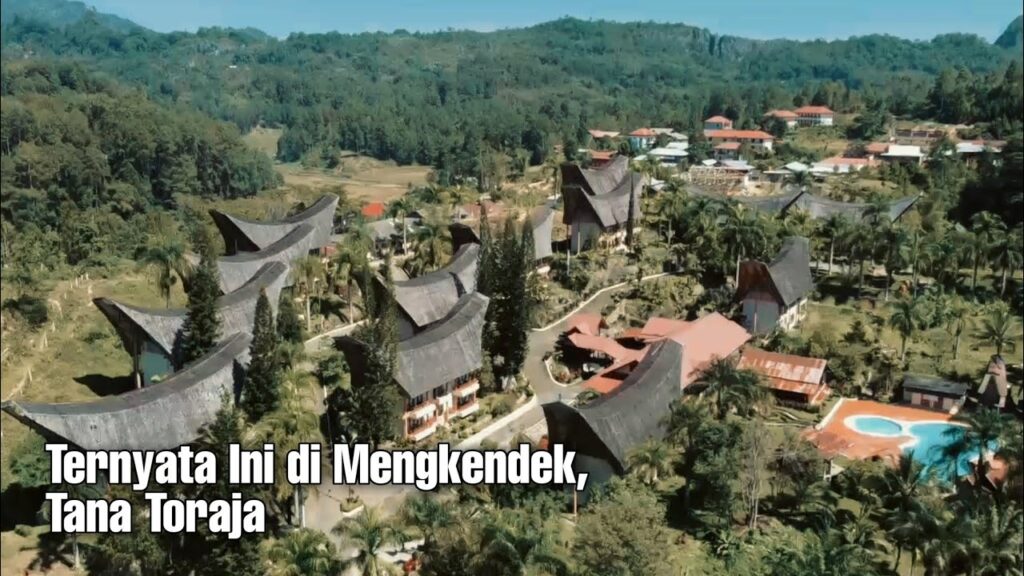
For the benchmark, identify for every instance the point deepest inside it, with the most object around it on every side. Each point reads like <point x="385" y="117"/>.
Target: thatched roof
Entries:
<point x="163" y="326"/>
<point x="816" y="207"/>
<point x="542" y="221"/>
<point x="158" y="417"/>
<point x="605" y="192"/>
<point x="242" y="235"/>
<point x="612" y="426"/>
<point x="788" y="276"/>
<point x="447" y="350"/>
<point x="428" y="298"/>
<point x="237" y="269"/>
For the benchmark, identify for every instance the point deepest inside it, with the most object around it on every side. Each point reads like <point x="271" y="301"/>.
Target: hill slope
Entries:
<point x="1013" y="37"/>
<point x="59" y="13"/>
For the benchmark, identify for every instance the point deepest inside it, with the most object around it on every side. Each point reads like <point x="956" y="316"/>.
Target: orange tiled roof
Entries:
<point x="643" y="133"/>
<point x="718" y="120"/>
<point x="877" y="148"/>
<point x="602" y="154"/>
<point x="601" y="344"/>
<point x="706" y="339"/>
<point x="782" y="114"/>
<point x="373" y="210"/>
<point x="728" y="146"/>
<point x="739" y="134"/>
<point x="586" y="323"/>
<point x="808" y="110"/>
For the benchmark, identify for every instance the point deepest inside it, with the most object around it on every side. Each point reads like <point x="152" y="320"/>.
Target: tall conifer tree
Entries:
<point x="289" y="328"/>
<point x="201" y="330"/>
<point x="262" y="391"/>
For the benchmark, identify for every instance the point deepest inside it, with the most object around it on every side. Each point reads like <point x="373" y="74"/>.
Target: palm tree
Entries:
<point x="370" y="534"/>
<point x="979" y="437"/>
<point x="343" y="269"/>
<point x="431" y="246"/>
<point x="835" y="228"/>
<point x="906" y="318"/>
<point x="167" y="256"/>
<point x="291" y="424"/>
<point x="302" y="552"/>
<point x="427" y="514"/>
<point x="955" y="312"/>
<point x="860" y="239"/>
<point x="997" y="328"/>
<point x="733" y="389"/>
<point x="990" y="542"/>
<point x="1007" y="254"/>
<point x="986" y="228"/>
<point x="652" y="460"/>
<point x="307" y="272"/>
<point x="743" y="233"/>
<point x="899" y="490"/>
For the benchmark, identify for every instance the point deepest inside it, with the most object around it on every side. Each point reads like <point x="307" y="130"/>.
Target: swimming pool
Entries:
<point x="926" y="440"/>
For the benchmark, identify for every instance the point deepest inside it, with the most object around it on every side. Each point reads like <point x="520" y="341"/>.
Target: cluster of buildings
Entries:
<point x="173" y="401"/>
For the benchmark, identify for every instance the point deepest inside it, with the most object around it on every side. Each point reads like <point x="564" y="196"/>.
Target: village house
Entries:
<point x="642" y="139"/>
<point x="671" y="154"/>
<point x="787" y="116"/>
<point x="758" y="140"/>
<point x="671" y="134"/>
<point x="437" y="369"/>
<point x="774" y="295"/>
<point x="841" y="165"/>
<point x="726" y="151"/>
<point x="933" y="393"/>
<point x="896" y="153"/>
<point x="994" y="390"/>
<point x="599" y="203"/>
<point x="601" y="158"/>
<point x="425" y="300"/>
<point x="791" y="378"/>
<point x="717" y="123"/>
<point x="815" y="116"/>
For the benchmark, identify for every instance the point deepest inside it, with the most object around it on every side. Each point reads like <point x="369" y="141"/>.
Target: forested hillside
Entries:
<point x="85" y="159"/>
<point x="447" y="99"/>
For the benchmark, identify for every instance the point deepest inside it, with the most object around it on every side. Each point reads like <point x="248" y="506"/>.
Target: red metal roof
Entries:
<point x="586" y="323"/>
<point x="601" y="344"/>
<point x="704" y="340"/>
<point x="739" y="135"/>
<point x="373" y="210"/>
<point x="809" y="110"/>
<point x="787" y="372"/>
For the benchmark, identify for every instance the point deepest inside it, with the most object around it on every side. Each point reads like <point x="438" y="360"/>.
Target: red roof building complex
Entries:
<point x="815" y="116"/>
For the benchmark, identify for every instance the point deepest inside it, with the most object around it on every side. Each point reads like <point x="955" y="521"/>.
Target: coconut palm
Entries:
<point x="431" y="247"/>
<point x="167" y="256"/>
<point x="732" y="388"/>
<point x="293" y="423"/>
<point x="899" y="489"/>
<point x="986" y="228"/>
<point x="428" y="515"/>
<point x="369" y="534"/>
<point x="307" y="272"/>
<point x="834" y="229"/>
<point x="997" y="328"/>
<point x="979" y="437"/>
<point x="954" y="312"/>
<point x="990" y="543"/>
<point x="651" y="461"/>
<point x="302" y="552"/>
<point x="907" y="317"/>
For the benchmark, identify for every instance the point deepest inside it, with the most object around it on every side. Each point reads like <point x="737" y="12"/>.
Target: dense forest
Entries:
<point x="447" y="99"/>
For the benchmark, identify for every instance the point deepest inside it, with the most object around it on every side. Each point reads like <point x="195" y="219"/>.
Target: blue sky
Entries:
<point x="800" y="19"/>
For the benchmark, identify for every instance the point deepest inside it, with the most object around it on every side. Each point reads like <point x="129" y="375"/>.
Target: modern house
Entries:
<point x="791" y="378"/>
<point x="642" y="139"/>
<point x="671" y="154"/>
<point x="841" y="165"/>
<point x="933" y="393"/>
<point x="438" y="368"/>
<point x="774" y="295"/>
<point x="604" y="431"/>
<point x="726" y="151"/>
<point x="242" y="235"/>
<point x="787" y="116"/>
<point x="717" y="123"/>
<point x="427" y="299"/>
<point x="600" y="202"/>
<point x="898" y="153"/>
<point x="815" y="116"/>
<point x="152" y="336"/>
<point x="758" y="140"/>
<point x="159" y="417"/>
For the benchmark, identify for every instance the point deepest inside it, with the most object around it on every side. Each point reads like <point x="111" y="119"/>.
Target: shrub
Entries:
<point x="31" y="308"/>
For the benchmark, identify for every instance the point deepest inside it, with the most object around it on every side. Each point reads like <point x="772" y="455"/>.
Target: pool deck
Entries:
<point x="834" y="438"/>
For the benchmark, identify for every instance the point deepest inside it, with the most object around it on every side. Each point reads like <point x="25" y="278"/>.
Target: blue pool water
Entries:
<point x="931" y="437"/>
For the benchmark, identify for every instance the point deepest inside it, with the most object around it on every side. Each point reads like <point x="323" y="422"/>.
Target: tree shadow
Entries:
<point x="103" y="385"/>
<point x="50" y="552"/>
<point x="20" y="505"/>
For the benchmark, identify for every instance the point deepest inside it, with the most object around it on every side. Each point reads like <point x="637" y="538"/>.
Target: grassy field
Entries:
<point x="263" y="139"/>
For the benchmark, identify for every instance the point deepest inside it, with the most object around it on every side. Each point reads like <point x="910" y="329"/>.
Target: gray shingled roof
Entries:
<point x="237" y="312"/>
<point x="242" y="235"/>
<point x="605" y="191"/>
<point x="445" y="351"/>
<point x="934" y="385"/>
<point x="815" y="206"/>
<point x="616" y="423"/>
<point x="237" y="269"/>
<point x="158" y="417"/>
<point x="542" y="221"/>
<point x="428" y="298"/>
<point x="790" y="271"/>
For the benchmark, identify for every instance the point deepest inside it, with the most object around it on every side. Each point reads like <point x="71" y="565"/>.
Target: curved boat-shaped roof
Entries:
<point x="238" y="269"/>
<point x="815" y="206"/>
<point x="158" y="417"/>
<point x="428" y="298"/>
<point x="242" y="235"/>
<point x="611" y="426"/>
<point x="788" y="274"/>
<point x="447" y="350"/>
<point x="237" y="311"/>
<point x="606" y="191"/>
